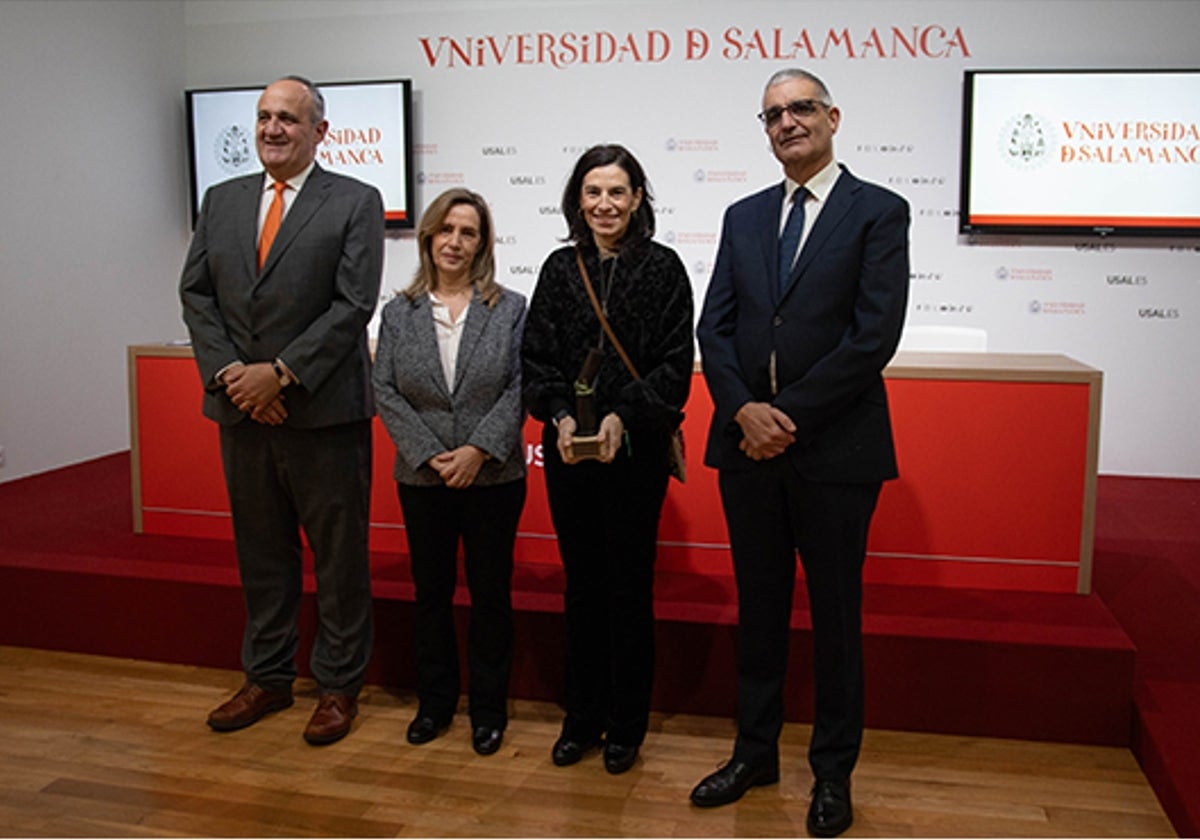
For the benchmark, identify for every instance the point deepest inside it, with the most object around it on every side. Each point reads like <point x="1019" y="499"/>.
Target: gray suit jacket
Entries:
<point x="309" y="306"/>
<point x="424" y="417"/>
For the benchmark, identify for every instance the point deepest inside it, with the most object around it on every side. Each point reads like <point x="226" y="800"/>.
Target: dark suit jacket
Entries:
<point x="309" y="306"/>
<point x="831" y="331"/>
<point x="424" y="417"/>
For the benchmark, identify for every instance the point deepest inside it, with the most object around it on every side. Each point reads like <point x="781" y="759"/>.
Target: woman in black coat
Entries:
<point x="606" y="506"/>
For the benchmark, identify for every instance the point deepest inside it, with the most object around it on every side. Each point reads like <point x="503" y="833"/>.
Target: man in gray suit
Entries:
<point x="278" y="327"/>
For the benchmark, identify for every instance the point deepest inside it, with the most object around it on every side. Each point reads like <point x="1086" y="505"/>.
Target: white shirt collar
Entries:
<point x="295" y="182"/>
<point x="819" y="185"/>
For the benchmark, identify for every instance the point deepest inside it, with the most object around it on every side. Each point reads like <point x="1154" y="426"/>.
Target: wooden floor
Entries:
<point x="92" y="746"/>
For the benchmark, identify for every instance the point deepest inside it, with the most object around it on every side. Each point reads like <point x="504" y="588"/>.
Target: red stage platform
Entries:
<point x="1035" y="665"/>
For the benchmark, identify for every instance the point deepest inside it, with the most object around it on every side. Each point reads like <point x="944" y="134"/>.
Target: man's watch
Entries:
<point x="285" y="378"/>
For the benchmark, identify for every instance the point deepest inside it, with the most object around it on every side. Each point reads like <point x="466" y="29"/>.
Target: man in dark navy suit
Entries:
<point x="804" y="310"/>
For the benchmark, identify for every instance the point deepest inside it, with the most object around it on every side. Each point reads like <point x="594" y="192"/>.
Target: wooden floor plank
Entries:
<point x="95" y="746"/>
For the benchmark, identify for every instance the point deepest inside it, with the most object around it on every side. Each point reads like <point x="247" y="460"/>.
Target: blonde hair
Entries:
<point x="483" y="266"/>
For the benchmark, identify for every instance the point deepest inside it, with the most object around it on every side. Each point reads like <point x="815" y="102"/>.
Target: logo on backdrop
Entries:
<point x="720" y="176"/>
<point x="944" y="308"/>
<point x="534" y="456"/>
<point x="1127" y="280"/>
<point x="673" y="144"/>
<point x="1057" y="307"/>
<point x="441" y="178"/>
<point x="1018" y="274"/>
<point x="234" y="149"/>
<point x="1025" y="141"/>
<point x="1159" y="313"/>
<point x="936" y="213"/>
<point x="885" y="148"/>
<point x="916" y="180"/>
<point x="683" y="237"/>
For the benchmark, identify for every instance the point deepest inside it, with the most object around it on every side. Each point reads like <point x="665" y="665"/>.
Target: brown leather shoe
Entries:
<point x="250" y="704"/>
<point x="331" y="720"/>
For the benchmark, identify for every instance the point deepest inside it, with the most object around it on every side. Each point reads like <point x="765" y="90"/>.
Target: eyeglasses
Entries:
<point x="799" y="109"/>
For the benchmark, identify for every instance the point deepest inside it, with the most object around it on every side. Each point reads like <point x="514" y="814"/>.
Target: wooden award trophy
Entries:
<point x="586" y="442"/>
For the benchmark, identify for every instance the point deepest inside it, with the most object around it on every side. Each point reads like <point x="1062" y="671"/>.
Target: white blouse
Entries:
<point x="449" y="336"/>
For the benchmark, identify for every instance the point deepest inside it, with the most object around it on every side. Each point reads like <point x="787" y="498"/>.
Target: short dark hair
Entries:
<point x="641" y="224"/>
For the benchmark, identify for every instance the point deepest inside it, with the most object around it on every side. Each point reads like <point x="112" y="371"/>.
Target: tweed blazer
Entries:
<point x="423" y="416"/>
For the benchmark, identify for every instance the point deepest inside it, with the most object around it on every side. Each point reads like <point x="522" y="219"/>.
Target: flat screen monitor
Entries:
<point x="369" y="138"/>
<point x="1081" y="151"/>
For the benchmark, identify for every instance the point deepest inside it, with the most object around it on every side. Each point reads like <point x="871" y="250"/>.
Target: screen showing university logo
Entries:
<point x="1074" y="151"/>
<point x="369" y="138"/>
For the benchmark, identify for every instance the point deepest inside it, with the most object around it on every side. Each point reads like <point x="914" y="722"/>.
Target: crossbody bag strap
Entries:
<point x="587" y="284"/>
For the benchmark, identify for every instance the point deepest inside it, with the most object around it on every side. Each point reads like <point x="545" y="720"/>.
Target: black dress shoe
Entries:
<point x="732" y="781"/>
<point x="424" y="729"/>
<point x="830" y="812"/>
<point x="618" y="759"/>
<point x="568" y="751"/>
<point x="486" y="740"/>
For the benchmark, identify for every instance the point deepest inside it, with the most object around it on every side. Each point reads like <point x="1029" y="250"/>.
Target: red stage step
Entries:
<point x="1023" y="665"/>
<point x="1001" y="664"/>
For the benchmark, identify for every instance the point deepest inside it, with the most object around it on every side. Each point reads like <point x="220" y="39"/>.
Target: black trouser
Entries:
<point x="486" y="520"/>
<point x="279" y="480"/>
<point x="773" y="513"/>
<point x="606" y="517"/>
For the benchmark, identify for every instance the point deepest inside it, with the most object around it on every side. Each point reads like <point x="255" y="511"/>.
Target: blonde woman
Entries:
<point x="447" y="383"/>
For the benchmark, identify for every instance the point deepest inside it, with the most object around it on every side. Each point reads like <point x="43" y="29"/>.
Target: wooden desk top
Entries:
<point x="1023" y="367"/>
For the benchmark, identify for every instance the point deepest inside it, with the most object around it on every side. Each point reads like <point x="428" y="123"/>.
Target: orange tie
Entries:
<point x="271" y="223"/>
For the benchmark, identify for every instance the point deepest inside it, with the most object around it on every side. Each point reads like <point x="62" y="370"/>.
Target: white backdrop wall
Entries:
<point x="508" y="94"/>
<point x="505" y="102"/>
<point x="91" y="230"/>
